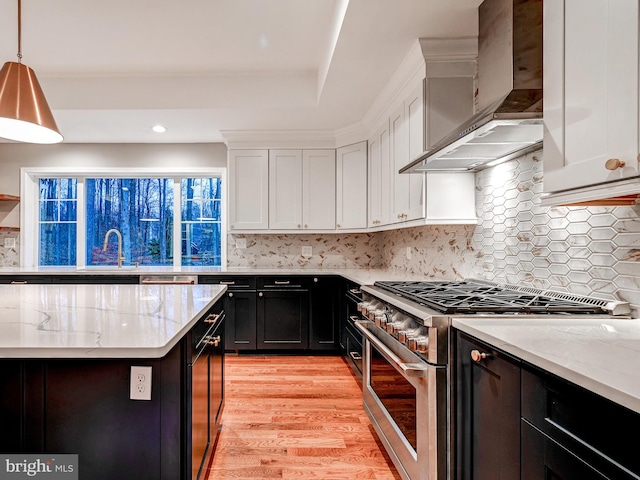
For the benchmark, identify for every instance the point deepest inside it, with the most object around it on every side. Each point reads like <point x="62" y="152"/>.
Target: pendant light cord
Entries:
<point x="19" y="31"/>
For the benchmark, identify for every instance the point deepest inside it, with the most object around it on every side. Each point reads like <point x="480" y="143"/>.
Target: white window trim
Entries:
<point x="29" y="211"/>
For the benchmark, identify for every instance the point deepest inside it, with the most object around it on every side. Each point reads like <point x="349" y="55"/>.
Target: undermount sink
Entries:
<point x="108" y="267"/>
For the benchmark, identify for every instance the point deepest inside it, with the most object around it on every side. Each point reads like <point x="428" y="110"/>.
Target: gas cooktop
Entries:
<point x="477" y="296"/>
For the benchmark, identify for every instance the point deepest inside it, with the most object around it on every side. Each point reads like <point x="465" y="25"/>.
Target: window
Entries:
<point x="153" y="216"/>
<point x="58" y="221"/>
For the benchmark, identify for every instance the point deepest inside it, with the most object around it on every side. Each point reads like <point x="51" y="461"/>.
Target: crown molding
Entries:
<point x="254" y="139"/>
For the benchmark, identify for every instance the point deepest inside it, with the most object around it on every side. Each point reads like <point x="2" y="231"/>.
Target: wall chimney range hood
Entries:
<point x="509" y="123"/>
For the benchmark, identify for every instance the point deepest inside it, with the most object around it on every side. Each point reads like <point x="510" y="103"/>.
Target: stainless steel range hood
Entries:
<point x="509" y="123"/>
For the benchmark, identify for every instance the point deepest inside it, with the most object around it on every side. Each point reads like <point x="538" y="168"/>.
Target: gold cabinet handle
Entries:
<point x="212" y="318"/>
<point x="477" y="355"/>
<point x="230" y="294"/>
<point x="614" y="164"/>
<point x="261" y="294"/>
<point x="213" y="341"/>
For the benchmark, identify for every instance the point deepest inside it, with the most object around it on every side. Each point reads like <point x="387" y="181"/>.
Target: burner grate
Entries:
<point x="470" y="297"/>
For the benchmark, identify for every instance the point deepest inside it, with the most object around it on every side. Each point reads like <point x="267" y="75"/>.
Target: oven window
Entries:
<point x="396" y="394"/>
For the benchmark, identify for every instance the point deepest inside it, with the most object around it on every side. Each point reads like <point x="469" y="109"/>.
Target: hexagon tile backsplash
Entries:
<point x="583" y="250"/>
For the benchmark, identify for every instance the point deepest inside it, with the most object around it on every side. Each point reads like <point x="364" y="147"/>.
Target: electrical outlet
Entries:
<point x="140" y="383"/>
<point x="9" y="243"/>
<point x="307" y="251"/>
<point x="241" y="243"/>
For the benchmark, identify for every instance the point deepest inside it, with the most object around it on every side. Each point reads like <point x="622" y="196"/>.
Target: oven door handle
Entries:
<point x="408" y="369"/>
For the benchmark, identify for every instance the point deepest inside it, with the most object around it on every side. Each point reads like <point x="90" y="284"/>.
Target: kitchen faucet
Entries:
<point x="106" y="239"/>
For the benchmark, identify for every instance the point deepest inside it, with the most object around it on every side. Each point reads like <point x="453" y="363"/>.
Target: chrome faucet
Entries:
<point x="106" y="239"/>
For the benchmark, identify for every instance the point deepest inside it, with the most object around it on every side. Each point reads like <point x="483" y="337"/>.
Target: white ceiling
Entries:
<point x="112" y="69"/>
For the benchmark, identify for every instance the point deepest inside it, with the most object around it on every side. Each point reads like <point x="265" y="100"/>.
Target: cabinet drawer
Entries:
<point x="232" y="283"/>
<point x="283" y="282"/>
<point x="583" y="422"/>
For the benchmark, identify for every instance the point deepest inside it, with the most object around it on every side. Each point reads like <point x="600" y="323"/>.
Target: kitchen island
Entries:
<point x="66" y="382"/>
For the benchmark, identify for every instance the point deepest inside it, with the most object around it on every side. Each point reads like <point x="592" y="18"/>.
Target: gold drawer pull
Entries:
<point x="614" y="164"/>
<point x="477" y="355"/>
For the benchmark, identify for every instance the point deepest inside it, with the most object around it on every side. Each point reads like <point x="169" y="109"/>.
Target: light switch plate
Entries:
<point x="9" y="243"/>
<point x="307" y="251"/>
<point x="241" y="243"/>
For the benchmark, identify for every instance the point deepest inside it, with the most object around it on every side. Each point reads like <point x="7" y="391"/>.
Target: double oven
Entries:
<point x="398" y="339"/>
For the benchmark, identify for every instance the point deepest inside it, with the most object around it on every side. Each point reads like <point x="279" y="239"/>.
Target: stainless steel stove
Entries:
<point x="406" y="358"/>
<point x="477" y="297"/>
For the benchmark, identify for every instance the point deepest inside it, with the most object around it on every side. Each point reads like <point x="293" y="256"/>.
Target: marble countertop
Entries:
<point x="362" y="276"/>
<point x="601" y="355"/>
<point x="99" y="321"/>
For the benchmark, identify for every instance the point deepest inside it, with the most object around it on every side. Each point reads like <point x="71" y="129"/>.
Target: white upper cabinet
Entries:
<point x="285" y="189"/>
<point x="302" y="186"/>
<point x="406" y="129"/>
<point x="351" y="185"/>
<point x="319" y="189"/>
<point x="590" y="99"/>
<point x="380" y="176"/>
<point x="248" y="189"/>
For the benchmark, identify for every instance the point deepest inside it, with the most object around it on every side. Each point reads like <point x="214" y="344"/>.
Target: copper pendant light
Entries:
<point x="25" y="115"/>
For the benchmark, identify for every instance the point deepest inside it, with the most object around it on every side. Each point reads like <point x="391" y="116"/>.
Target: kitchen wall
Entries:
<point x="14" y="156"/>
<point x="285" y="251"/>
<point x="582" y="250"/>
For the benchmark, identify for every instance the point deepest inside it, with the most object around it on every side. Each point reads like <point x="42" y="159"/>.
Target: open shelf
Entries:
<point x="9" y="198"/>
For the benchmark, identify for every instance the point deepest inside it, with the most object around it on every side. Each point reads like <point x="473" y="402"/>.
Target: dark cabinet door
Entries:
<point x="216" y="377"/>
<point x="240" y="328"/>
<point x="200" y="427"/>
<point x="571" y="433"/>
<point x="283" y="319"/>
<point x="545" y="459"/>
<point x="324" y="322"/>
<point x="487" y="413"/>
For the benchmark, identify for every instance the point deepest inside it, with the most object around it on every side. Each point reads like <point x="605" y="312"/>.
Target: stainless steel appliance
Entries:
<point x="406" y="357"/>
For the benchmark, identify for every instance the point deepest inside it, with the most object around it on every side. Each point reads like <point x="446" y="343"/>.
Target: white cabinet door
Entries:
<point x="248" y="189"/>
<point x="319" y="189"/>
<point x="351" y="183"/>
<point x="380" y="178"/>
<point x="591" y="92"/>
<point x="285" y="189"/>
<point x="374" y="182"/>
<point x="399" y="151"/>
<point x="407" y="142"/>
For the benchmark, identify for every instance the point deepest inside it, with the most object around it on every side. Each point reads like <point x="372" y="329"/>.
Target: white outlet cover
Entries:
<point x="140" y="388"/>
<point x="307" y="251"/>
<point x="241" y="243"/>
<point x="9" y="243"/>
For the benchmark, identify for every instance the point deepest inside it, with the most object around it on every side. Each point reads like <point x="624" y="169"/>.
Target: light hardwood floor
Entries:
<point x="295" y="417"/>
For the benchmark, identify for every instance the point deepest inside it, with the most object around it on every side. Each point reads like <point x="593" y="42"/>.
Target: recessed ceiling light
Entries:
<point x="159" y="129"/>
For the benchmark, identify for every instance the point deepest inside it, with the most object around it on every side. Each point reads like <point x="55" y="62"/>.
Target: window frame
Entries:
<point x="29" y="207"/>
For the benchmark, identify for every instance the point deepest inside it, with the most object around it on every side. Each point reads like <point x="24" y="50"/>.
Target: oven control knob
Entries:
<point x="394" y="327"/>
<point x="374" y="313"/>
<point x="418" y="343"/>
<point x="360" y="307"/>
<point x="380" y="319"/>
<point x="365" y="308"/>
<point x="405" y="335"/>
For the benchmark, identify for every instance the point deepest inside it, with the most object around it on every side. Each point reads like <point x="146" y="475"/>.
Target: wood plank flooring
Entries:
<point x="296" y="417"/>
